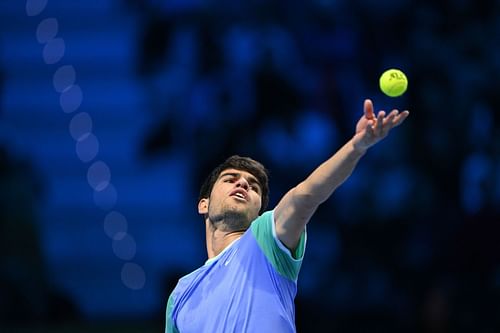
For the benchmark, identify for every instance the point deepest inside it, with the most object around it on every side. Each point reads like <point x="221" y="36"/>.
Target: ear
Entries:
<point x="203" y="206"/>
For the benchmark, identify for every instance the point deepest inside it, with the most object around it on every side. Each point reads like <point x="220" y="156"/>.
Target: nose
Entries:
<point x="242" y="182"/>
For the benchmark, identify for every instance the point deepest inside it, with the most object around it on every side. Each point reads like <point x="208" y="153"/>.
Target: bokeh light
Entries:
<point x="71" y="99"/>
<point x="64" y="78"/>
<point x="133" y="276"/>
<point x="35" y="7"/>
<point x="115" y="225"/>
<point x="87" y="147"/>
<point x="47" y="30"/>
<point x="80" y="126"/>
<point x="53" y="51"/>
<point x="124" y="246"/>
<point x="99" y="175"/>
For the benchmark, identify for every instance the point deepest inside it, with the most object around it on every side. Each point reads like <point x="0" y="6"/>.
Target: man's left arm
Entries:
<point x="295" y="209"/>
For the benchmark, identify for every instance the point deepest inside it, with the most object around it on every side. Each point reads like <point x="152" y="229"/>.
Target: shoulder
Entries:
<point x="281" y="258"/>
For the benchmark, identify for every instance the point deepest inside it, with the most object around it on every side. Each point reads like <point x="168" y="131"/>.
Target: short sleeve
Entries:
<point x="169" y="321"/>
<point x="264" y="231"/>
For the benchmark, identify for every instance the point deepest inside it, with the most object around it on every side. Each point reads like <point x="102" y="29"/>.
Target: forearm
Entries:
<point x="321" y="183"/>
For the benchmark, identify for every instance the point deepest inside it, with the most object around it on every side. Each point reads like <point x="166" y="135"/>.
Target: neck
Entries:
<point x="218" y="240"/>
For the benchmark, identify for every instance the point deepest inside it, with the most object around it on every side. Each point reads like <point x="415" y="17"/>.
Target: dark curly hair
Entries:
<point x="244" y="164"/>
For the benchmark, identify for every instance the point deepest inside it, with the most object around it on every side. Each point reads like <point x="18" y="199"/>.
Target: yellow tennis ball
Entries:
<point x="393" y="82"/>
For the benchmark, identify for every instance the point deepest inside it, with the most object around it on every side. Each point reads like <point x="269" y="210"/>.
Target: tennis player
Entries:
<point x="249" y="282"/>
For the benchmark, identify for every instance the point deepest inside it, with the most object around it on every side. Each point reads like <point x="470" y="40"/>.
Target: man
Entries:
<point x="249" y="282"/>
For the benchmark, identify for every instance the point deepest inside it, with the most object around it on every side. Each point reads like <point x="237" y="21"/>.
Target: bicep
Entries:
<point x="291" y="216"/>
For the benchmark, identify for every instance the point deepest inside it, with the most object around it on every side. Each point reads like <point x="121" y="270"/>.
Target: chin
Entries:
<point x="237" y="219"/>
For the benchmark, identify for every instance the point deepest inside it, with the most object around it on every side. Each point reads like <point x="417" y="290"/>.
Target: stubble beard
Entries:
<point x="229" y="218"/>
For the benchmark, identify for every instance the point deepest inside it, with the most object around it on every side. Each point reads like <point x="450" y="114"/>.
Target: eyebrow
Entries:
<point x="251" y="179"/>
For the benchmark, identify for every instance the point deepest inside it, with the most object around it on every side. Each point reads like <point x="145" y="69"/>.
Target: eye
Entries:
<point x="255" y="188"/>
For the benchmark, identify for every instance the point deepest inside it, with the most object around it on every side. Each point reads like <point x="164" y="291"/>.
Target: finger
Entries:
<point x="391" y="116"/>
<point x="370" y="128"/>
<point x="400" y="118"/>
<point x="380" y="123"/>
<point x="368" y="109"/>
<point x="389" y="121"/>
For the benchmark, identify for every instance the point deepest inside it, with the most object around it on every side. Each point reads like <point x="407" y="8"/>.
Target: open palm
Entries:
<point x="371" y="129"/>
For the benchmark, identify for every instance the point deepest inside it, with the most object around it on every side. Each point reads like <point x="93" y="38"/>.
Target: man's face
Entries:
<point x="235" y="198"/>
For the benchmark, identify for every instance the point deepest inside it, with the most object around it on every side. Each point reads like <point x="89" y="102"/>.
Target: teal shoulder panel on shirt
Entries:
<point x="169" y="323"/>
<point x="278" y="255"/>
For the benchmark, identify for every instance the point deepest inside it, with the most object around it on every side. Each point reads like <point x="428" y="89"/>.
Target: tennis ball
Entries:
<point x="393" y="82"/>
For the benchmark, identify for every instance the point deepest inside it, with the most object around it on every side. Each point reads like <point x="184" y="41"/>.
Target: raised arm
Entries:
<point x="295" y="209"/>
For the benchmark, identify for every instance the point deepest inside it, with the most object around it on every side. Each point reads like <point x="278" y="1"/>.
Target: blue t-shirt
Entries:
<point x="249" y="287"/>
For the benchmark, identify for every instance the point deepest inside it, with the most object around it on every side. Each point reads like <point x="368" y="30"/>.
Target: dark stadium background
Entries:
<point x="112" y="113"/>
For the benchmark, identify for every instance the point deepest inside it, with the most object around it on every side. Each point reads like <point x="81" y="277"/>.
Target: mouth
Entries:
<point x="239" y="194"/>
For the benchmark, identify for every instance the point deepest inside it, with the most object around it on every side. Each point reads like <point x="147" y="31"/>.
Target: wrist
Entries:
<point x="358" y="148"/>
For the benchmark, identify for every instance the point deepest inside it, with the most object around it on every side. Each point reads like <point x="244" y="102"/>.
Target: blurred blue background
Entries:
<point x="112" y="112"/>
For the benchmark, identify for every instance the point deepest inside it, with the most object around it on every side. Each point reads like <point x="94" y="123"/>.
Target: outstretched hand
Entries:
<point x="371" y="129"/>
